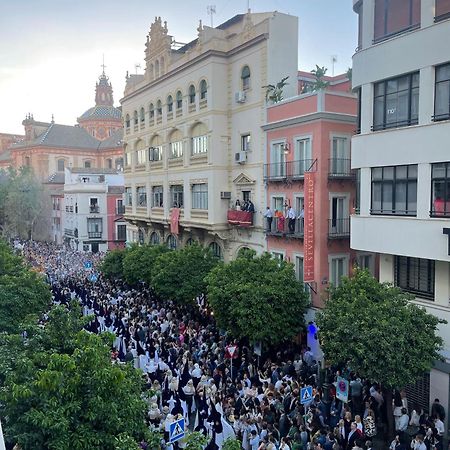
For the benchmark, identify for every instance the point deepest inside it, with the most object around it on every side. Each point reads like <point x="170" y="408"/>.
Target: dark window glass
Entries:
<point x="169" y="103"/>
<point x="396" y="102"/>
<point x="395" y="16"/>
<point x="191" y="94"/>
<point x="245" y="77"/>
<point x="440" y="189"/>
<point x="442" y="93"/>
<point x="394" y="190"/>
<point x="179" y="99"/>
<point x="415" y="275"/>
<point x="442" y="9"/>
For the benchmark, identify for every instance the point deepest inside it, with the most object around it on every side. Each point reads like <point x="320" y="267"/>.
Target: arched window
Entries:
<point x="169" y="103"/>
<point x="151" y="111"/>
<point x="191" y="94"/>
<point x="203" y="90"/>
<point x="135" y="115"/>
<point x="159" y="108"/>
<point x="127" y="121"/>
<point x="119" y="163"/>
<point x="61" y="165"/>
<point x="179" y="100"/>
<point x="141" y="236"/>
<point x="154" y="238"/>
<point x="199" y="139"/>
<point x="190" y="242"/>
<point x="243" y="251"/>
<point x="172" y="242"/>
<point x="87" y="164"/>
<point x="176" y="144"/>
<point x="216" y="250"/>
<point x="142" y="115"/>
<point x="245" y="77"/>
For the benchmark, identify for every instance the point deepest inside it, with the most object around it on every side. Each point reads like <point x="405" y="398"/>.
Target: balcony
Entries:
<point x="338" y="228"/>
<point x="240" y="218"/>
<point x="120" y="210"/>
<point x="94" y="234"/>
<point x="280" y="227"/>
<point x="94" y="209"/>
<point x="340" y="168"/>
<point x="293" y="170"/>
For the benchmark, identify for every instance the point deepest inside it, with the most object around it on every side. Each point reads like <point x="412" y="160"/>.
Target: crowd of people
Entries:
<point x="183" y="359"/>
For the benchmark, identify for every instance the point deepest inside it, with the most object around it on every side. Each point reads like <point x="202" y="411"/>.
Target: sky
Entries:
<point x="51" y="50"/>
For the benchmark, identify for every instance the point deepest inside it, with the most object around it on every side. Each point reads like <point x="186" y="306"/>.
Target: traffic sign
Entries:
<point x="231" y="351"/>
<point x="306" y="395"/>
<point x="88" y="265"/>
<point x="93" y="277"/>
<point x="342" y="389"/>
<point x="176" y="431"/>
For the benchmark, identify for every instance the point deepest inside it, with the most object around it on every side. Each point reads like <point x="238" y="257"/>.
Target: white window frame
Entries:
<point x="199" y="145"/>
<point x="199" y="203"/>
<point x="176" y="149"/>
<point x="158" y="196"/>
<point x="371" y="267"/>
<point x="333" y="257"/>
<point x="141" y="191"/>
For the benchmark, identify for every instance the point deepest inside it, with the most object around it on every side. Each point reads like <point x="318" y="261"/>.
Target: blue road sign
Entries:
<point x="88" y="265"/>
<point x="306" y="395"/>
<point x="93" y="277"/>
<point x="176" y="430"/>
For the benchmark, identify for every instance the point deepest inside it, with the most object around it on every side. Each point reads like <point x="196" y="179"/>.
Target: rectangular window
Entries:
<point x="141" y="157"/>
<point x="395" y="16"/>
<point x="338" y="269"/>
<point x="128" y="196"/>
<point x="396" y="102"/>
<point x="442" y="10"/>
<point x="360" y="26"/>
<point x="245" y="142"/>
<point x="279" y="256"/>
<point x="440" y="189"/>
<point x="442" y="93"/>
<point x="394" y="190"/>
<point x="121" y="232"/>
<point x="157" y="197"/>
<point x="95" y="228"/>
<point x="340" y="157"/>
<point x="278" y="204"/>
<point x="302" y="156"/>
<point x="176" y="149"/>
<point x="127" y="159"/>
<point x="141" y="196"/>
<point x="366" y="262"/>
<point x="199" y="145"/>
<point x="199" y="196"/>
<point x="176" y="195"/>
<point x="155" y="153"/>
<point x="415" y="275"/>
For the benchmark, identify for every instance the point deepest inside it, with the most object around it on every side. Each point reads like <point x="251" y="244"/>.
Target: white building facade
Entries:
<point x="92" y="213"/>
<point x="193" y="136"/>
<point x="402" y="71"/>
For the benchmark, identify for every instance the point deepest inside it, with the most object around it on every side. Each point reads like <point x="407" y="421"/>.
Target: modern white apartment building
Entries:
<point x="193" y="136"/>
<point x="402" y="71"/>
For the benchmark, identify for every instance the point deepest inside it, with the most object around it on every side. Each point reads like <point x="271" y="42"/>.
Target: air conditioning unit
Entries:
<point x="240" y="97"/>
<point x="225" y="195"/>
<point x="240" y="157"/>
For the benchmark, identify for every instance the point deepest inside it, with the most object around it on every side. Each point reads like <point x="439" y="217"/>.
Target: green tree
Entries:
<point x="274" y="92"/>
<point x="112" y="265"/>
<point x="22" y="291"/>
<point x="180" y="275"/>
<point x="138" y="262"/>
<point x="374" y="329"/>
<point x="319" y="82"/>
<point x="257" y="297"/>
<point x="195" y="441"/>
<point x="62" y="390"/>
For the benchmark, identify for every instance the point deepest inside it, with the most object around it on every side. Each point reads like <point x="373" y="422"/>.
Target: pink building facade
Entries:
<point x="312" y="133"/>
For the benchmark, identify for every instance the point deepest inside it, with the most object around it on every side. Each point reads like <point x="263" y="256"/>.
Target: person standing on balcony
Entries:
<point x="268" y="214"/>
<point x="290" y="215"/>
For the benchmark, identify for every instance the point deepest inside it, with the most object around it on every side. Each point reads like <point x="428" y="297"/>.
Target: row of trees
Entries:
<point x="253" y="297"/>
<point x="24" y="205"/>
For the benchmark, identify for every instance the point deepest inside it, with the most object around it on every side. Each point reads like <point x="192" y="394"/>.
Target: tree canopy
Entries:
<point x="180" y="275"/>
<point x="257" y="297"/>
<point x="138" y="262"/>
<point x="112" y="264"/>
<point x="374" y="329"/>
<point x="61" y="389"/>
<point x="22" y="291"/>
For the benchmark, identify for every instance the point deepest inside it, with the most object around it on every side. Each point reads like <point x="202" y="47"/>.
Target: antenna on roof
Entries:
<point x="136" y="67"/>
<point x="211" y="9"/>
<point x="333" y="62"/>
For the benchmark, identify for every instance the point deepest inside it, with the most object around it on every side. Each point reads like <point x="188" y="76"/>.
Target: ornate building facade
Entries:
<point x="193" y="136"/>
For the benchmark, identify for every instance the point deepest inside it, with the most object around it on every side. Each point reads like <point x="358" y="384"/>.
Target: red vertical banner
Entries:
<point x="174" y="220"/>
<point x="308" y="241"/>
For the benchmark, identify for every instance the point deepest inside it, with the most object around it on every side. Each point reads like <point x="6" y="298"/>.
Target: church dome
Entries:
<point x="101" y="112"/>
